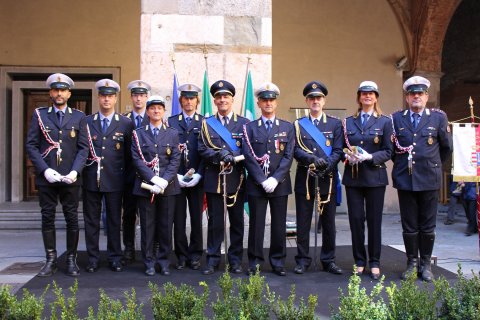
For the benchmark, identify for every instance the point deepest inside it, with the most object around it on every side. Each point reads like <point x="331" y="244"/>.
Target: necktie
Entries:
<point x="60" y="117"/>
<point x="365" y="119"/>
<point x="155" y="132"/>
<point x="188" y="120"/>
<point x="225" y="121"/>
<point x="415" y="120"/>
<point x="269" y="125"/>
<point x="315" y="122"/>
<point x="104" y="125"/>
<point x="139" y="121"/>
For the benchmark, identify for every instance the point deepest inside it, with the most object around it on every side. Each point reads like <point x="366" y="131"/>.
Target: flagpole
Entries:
<point x="173" y="62"/>
<point x="205" y="56"/>
<point x="245" y="82"/>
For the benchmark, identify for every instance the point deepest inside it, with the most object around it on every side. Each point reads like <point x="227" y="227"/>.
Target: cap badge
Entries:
<point x="107" y="84"/>
<point x="139" y="83"/>
<point x="59" y="79"/>
<point x="267" y="87"/>
<point x="220" y="84"/>
<point x="314" y="86"/>
<point x="189" y="87"/>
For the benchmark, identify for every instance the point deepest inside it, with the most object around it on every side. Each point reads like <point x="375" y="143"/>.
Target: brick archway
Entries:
<point x="424" y="24"/>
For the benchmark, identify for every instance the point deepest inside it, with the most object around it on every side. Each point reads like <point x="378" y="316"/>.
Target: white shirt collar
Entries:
<point x="264" y="119"/>
<point x="110" y="117"/>
<point x="138" y="114"/>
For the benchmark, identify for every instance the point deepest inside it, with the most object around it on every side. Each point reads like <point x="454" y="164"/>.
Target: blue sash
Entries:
<point x="316" y="134"/>
<point x="222" y="132"/>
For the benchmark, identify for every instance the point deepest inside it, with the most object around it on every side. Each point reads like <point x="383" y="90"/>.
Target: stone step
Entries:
<point x="11" y="220"/>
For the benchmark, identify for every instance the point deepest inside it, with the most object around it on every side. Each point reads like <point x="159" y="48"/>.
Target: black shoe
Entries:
<point x="448" y="222"/>
<point x="332" y="268"/>
<point x="128" y="256"/>
<point x="195" y="264"/>
<point x="116" y="266"/>
<point x="92" y="267"/>
<point x="237" y="269"/>
<point x="299" y="269"/>
<point x="359" y="272"/>
<point x="251" y="271"/>
<point x="150" y="271"/>
<point x="164" y="271"/>
<point x="280" y="271"/>
<point x="180" y="265"/>
<point x="208" y="270"/>
<point x="375" y="276"/>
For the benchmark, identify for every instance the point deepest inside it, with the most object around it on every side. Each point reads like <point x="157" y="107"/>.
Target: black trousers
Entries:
<point x="304" y="209"/>
<point x="366" y="203"/>
<point x="156" y="220"/>
<point x="216" y="228"/>
<point x="278" y="240"/>
<point x="48" y="200"/>
<point x="418" y="210"/>
<point x="129" y="217"/>
<point x="183" y="250"/>
<point x="470" y="207"/>
<point x="92" y="214"/>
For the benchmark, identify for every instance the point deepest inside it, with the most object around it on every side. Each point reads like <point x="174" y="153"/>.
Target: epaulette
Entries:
<point x="333" y="117"/>
<point x="438" y="110"/>
<point x="41" y="108"/>
<point x="140" y="128"/>
<point x="126" y="114"/>
<point x="385" y="116"/>
<point x="352" y="116"/>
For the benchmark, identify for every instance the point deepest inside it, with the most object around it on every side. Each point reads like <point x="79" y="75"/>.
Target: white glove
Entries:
<point x="352" y="160"/>
<point x="270" y="185"/>
<point x="70" y="178"/>
<point x="52" y="176"/>
<point x="155" y="189"/>
<point x="162" y="183"/>
<point x="195" y="180"/>
<point x="363" y="156"/>
<point x="182" y="183"/>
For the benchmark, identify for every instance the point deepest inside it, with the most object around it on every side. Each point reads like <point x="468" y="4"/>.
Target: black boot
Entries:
<point x="426" y="247"/>
<point x="72" y="243"/>
<point x="50" y="266"/>
<point x="411" y="249"/>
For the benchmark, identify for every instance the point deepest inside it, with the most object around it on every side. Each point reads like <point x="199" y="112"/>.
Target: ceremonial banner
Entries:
<point x="466" y="152"/>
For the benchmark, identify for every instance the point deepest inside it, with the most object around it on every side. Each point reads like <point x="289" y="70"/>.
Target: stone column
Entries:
<point x="434" y="91"/>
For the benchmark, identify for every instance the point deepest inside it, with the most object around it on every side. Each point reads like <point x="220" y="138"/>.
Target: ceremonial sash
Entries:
<point x="222" y="132"/>
<point x="316" y="134"/>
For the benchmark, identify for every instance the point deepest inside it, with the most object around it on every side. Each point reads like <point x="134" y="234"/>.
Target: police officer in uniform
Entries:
<point x="268" y="148"/>
<point x="188" y="124"/>
<point x="368" y="145"/>
<point x="156" y="159"/>
<point x="422" y="143"/>
<point x="139" y="90"/>
<point x="109" y="138"/>
<point x="318" y="149"/>
<point x="57" y="146"/>
<point x="217" y="145"/>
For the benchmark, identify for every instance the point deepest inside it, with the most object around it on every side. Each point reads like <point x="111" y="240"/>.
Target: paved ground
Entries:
<point x="452" y="246"/>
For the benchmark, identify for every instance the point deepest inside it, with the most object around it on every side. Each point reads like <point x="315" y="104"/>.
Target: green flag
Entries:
<point x="249" y="108"/>
<point x="206" y="108"/>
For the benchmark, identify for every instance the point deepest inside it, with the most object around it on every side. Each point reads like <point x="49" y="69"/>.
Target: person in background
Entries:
<point x="470" y="205"/>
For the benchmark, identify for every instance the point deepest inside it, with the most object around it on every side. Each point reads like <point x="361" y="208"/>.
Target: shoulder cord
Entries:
<point x="263" y="161"/>
<point x="401" y="149"/>
<point x="94" y="158"/>
<point x="53" y="144"/>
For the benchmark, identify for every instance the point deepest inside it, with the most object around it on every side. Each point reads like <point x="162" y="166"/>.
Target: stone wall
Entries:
<point x="218" y="35"/>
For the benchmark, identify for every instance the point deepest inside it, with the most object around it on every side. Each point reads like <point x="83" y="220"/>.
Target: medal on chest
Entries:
<point x="328" y="143"/>
<point x="72" y="133"/>
<point x="169" y="150"/>
<point x="376" y="140"/>
<point x="430" y="140"/>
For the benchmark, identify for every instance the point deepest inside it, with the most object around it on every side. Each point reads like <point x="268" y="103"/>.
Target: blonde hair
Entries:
<point x="376" y="106"/>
